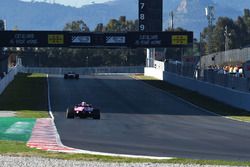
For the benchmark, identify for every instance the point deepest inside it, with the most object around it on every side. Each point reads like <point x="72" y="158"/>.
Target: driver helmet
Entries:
<point x="83" y="103"/>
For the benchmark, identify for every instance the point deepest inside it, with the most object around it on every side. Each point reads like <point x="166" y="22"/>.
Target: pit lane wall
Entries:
<point x="229" y="96"/>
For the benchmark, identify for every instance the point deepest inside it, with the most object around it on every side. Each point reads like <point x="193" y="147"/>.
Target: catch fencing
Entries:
<point x="230" y="56"/>
<point x="227" y="80"/>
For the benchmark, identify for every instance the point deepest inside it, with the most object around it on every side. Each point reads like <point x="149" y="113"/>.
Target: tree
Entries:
<point x="229" y="34"/>
<point x="78" y="26"/>
<point x="2" y="25"/>
<point x="121" y="25"/>
<point x="99" y="28"/>
<point x="241" y="31"/>
<point x="225" y="33"/>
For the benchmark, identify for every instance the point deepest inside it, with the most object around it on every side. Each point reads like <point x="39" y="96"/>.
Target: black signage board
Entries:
<point x="93" y="40"/>
<point x="150" y="15"/>
<point x="98" y="40"/>
<point x="159" y="39"/>
<point x="33" y="39"/>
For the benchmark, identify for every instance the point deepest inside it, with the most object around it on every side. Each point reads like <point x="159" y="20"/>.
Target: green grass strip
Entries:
<point x="27" y="95"/>
<point x="19" y="149"/>
<point x="198" y="99"/>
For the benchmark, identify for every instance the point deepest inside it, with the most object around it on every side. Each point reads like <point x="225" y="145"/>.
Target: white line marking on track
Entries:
<point x="49" y="102"/>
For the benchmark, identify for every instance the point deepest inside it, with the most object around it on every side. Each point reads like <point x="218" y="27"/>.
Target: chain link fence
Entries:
<point x="221" y="58"/>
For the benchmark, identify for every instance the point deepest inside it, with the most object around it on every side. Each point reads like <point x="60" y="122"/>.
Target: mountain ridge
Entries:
<point x="189" y="14"/>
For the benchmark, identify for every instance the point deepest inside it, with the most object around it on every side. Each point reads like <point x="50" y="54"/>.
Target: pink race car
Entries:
<point x="83" y="110"/>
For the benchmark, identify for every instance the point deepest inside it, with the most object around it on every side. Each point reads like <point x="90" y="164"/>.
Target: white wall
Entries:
<point x="4" y="82"/>
<point x="229" y="96"/>
<point x="153" y="72"/>
<point x="85" y="70"/>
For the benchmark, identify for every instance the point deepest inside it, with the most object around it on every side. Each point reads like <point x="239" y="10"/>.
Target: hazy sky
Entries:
<point x="75" y="3"/>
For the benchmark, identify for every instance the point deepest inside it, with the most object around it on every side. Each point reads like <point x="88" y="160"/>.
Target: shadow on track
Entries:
<point x="121" y="94"/>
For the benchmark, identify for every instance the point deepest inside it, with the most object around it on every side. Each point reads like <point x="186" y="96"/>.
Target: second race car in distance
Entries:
<point x="71" y="75"/>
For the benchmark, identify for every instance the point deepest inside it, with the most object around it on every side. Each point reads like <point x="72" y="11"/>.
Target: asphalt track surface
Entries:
<point x="138" y="119"/>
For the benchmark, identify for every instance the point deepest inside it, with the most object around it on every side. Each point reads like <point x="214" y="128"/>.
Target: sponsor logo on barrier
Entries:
<point x="81" y="39"/>
<point x="22" y="39"/>
<point x="149" y="40"/>
<point x="115" y="39"/>
<point x="179" y="40"/>
<point x="55" y="39"/>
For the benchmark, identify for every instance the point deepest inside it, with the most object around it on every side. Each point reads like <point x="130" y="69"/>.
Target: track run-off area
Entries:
<point x="138" y="119"/>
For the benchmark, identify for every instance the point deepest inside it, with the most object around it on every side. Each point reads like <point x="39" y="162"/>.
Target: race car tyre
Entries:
<point x="70" y="113"/>
<point x="77" y="76"/>
<point x="96" y="114"/>
<point x="65" y="76"/>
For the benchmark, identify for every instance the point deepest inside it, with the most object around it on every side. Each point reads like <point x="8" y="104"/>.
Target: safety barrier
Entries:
<point x="227" y="80"/>
<point x="228" y="95"/>
<point x="85" y="70"/>
<point x="5" y="81"/>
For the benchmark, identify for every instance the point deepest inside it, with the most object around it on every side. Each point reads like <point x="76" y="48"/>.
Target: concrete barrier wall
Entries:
<point x="153" y="72"/>
<point x="4" y="82"/>
<point x="85" y="71"/>
<point x="159" y="65"/>
<point x="229" y="96"/>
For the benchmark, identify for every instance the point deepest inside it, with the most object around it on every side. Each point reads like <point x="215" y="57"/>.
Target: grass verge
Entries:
<point x="198" y="99"/>
<point x="20" y="149"/>
<point x="27" y="96"/>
